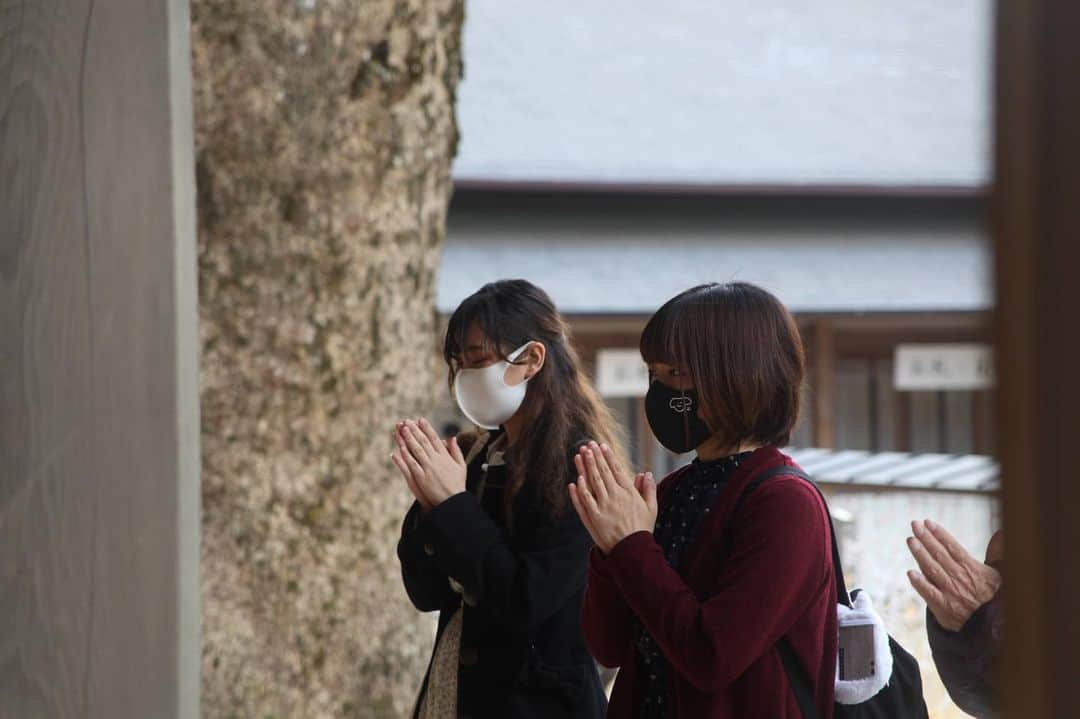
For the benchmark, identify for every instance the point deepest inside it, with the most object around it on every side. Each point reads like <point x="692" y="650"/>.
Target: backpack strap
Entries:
<point x="790" y="471"/>
<point x="798" y="677"/>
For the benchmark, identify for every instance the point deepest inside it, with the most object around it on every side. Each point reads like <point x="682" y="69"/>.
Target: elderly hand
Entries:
<point x="953" y="583"/>
<point x="433" y="469"/>
<point x="611" y="506"/>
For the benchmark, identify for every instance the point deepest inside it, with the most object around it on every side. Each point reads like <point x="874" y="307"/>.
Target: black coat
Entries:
<point x="967" y="660"/>
<point x="523" y="653"/>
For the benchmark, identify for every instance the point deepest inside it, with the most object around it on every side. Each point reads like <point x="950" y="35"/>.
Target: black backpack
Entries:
<point x="902" y="697"/>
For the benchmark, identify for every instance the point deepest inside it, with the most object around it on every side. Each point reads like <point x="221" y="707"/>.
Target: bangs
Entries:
<point x="658" y="338"/>
<point x="664" y="338"/>
<point x="477" y="308"/>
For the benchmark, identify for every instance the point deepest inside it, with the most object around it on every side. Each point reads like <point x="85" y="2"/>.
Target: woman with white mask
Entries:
<point x="491" y="541"/>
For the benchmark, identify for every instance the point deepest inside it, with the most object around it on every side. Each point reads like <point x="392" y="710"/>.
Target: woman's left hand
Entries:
<point x="437" y="467"/>
<point x="610" y="504"/>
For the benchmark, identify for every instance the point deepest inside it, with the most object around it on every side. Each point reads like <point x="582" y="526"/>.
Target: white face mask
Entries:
<point x="483" y="395"/>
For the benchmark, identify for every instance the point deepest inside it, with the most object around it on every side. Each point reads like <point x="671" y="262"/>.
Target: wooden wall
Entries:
<point x="98" y="362"/>
<point x="1036" y="227"/>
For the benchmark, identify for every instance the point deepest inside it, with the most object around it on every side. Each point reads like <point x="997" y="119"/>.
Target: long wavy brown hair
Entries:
<point x="560" y="408"/>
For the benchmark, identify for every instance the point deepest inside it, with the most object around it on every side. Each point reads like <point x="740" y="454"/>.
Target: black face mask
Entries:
<point x="672" y="415"/>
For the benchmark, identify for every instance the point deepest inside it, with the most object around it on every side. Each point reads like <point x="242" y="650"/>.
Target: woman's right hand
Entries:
<point x="610" y="505"/>
<point x="953" y="583"/>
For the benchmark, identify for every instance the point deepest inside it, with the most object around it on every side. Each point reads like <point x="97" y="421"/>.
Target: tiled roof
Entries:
<point x="898" y="470"/>
<point x="623" y="266"/>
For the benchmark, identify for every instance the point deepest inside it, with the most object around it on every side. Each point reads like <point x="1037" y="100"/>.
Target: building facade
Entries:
<point x="616" y="156"/>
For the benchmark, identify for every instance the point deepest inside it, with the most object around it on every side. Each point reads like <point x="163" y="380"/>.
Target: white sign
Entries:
<point x="621" y="373"/>
<point x="943" y="367"/>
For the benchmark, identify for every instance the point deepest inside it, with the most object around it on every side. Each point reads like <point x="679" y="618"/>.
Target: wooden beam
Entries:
<point x="979" y="428"/>
<point x="645" y="440"/>
<point x="1036" y="225"/>
<point x="823" y="382"/>
<point x="712" y="189"/>
<point x="625" y="328"/>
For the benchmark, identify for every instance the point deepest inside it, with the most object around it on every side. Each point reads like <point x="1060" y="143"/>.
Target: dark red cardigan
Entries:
<point x="718" y="622"/>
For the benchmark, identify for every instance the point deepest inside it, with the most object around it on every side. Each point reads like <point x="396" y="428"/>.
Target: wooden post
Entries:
<point x="823" y="373"/>
<point x="979" y="408"/>
<point x="1036" y="226"/>
<point x="646" y="443"/>
<point x="99" y="455"/>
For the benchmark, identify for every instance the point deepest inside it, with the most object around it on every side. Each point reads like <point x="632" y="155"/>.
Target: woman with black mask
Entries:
<point x="491" y="542"/>
<point x="690" y="591"/>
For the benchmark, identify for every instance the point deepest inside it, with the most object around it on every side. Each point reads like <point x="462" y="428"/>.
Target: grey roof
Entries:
<point x="629" y="264"/>
<point x="727" y="92"/>
<point x="898" y="470"/>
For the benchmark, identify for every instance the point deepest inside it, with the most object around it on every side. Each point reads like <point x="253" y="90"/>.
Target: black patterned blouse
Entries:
<point x="689" y="501"/>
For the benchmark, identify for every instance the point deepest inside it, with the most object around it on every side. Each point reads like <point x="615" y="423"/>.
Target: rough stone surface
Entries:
<point x="325" y="131"/>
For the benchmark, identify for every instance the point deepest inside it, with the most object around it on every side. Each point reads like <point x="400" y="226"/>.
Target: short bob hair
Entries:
<point x="744" y="354"/>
